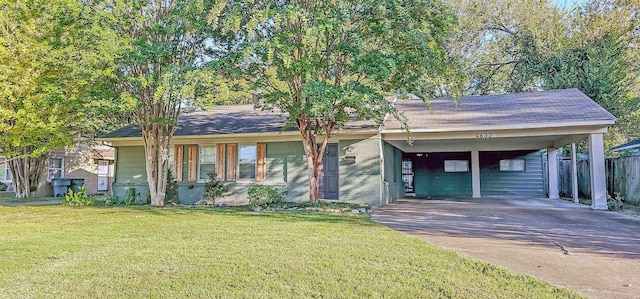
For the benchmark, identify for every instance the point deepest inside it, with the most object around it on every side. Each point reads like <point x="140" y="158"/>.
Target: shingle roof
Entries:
<point x="626" y="146"/>
<point x="232" y="119"/>
<point x="553" y="106"/>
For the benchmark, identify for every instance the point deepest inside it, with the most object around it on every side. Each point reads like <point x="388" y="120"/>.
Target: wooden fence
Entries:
<point x="623" y="178"/>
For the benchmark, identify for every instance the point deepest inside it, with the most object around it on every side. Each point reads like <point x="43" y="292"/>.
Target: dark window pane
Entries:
<point x="247" y="171"/>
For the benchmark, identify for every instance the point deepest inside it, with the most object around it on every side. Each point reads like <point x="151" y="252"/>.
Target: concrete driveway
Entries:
<point x="596" y="253"/>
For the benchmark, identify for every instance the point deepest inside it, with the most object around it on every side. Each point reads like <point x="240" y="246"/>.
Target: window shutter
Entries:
<point x="232" y="160"/>
<point x="220" y="162"/>
<point x="177" y="162"/>
<point x="261" y="161"/>
<point x="193" y="163"/>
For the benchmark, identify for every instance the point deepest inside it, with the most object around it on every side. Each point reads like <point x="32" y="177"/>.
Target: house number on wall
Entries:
<point x="484" y="135"/>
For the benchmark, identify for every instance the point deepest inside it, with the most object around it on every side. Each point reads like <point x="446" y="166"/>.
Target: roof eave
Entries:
<point x="607" y="122"/>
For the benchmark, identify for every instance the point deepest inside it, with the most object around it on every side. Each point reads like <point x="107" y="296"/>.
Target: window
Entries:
<point x="171" y="160"/>
<point x="103" y="175"/>
<point x="56" y="168"/>
<point x="206" y="162"/>
<point x="5" y="172"/>
<point x="247" y="162"/>
<point x="456" y="166"/>
<point x="512" y="165"/>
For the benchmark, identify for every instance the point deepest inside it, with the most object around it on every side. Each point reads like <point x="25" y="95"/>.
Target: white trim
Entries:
<point x="215" y="162"/>
<point x="255" y="164"/>
<point x="622" y="148"/>
<point x="552" y="168"/>
<point x="61" y="168"/>
<point x="597" y="171"/>
<point x="475" y="174"/>
<point x="7" y="171"/>
<point x="542" y="125"/>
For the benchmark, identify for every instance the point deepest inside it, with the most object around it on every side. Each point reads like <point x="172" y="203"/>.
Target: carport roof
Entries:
<point x="566" y="106"/>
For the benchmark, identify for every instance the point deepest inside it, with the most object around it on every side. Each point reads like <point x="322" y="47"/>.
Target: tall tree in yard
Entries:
<point x="48" y="65"/>
<point x="323" y="63"/>
<point x="158" y="72"/>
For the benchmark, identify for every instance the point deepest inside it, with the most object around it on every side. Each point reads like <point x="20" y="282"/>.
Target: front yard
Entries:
<point x="58" y="251"/>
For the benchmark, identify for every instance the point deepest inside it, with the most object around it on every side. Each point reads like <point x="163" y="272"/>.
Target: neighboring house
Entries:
<point x="93" y="164"/>
<point x="628" y="149"/>
<point x="485" y="145"/>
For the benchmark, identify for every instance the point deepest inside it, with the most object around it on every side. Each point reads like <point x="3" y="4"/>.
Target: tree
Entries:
<point x="322" y="63"/>
<point x="48" y="64"/>
<point x="158" y="72"/>
<point x="514" y="46"/>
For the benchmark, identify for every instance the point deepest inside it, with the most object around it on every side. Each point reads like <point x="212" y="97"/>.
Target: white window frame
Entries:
<point x="215" y="161"/>
<point x="49" y="168"/>
<point x="456" y="165"/>
<point x="255" y="163"/>
<point x="7" y="171"/>
<point x="171" y="159"/>
<point x="108" y="172"/>
<point x="512" y="165"/>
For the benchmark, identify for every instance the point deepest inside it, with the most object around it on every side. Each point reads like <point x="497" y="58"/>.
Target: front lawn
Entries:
<point x="58" y="251"/>
<point x="30" y="199"/>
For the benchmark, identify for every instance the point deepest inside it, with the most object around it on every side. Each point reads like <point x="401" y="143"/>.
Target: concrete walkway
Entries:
<point x="596" y="253"/>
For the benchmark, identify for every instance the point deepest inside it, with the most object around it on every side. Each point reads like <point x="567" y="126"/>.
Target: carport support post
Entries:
<point x="475" y="173"/>
<point x="552" y="165"/>
<point x="597" y="171"/>
<point x="574" y="172"/>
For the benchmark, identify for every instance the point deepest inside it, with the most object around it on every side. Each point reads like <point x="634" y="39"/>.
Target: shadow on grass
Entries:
<point x="291" y="216"/>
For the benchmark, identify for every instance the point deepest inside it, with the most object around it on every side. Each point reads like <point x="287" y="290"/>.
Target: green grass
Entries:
<point x="59" y="251"/>
<point x="31" y="199"/>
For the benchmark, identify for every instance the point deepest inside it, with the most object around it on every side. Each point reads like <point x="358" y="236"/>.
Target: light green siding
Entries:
<point x="286" y="169"/>
<point x="394" y="187"/>
<point x="496" y="182"/>
<point x="130" y="165"/>
<point x="360" y="182"/>
<point x="286" y="166"/>
<point x="130" y="172"/>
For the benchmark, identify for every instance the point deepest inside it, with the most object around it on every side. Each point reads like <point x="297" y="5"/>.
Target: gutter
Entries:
<point x="506" y="127"/>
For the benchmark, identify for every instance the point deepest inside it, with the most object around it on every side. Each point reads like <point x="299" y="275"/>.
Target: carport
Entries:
<point x="489" y="144"/>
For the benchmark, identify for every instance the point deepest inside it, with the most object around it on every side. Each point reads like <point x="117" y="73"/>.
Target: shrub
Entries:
<point x="171" y="195"/>
<point x="112" y="200"/>
<point x="264" y="195"/>
<point x="214" y="188"/>
<point x="3" y="187"/>
<point x="79" y="198"/>
<point x="132" y="196"/>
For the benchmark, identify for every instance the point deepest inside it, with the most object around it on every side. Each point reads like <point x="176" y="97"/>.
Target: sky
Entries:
<point x="568" y="3"/>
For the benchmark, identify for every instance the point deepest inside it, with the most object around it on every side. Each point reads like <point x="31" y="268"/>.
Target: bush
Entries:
<point x="171" y="195"/>
<point x="79" y="198"/>
<point x="3" y="187"/>
<point x="112" y="200"/>
<point x="214" y="188"/>
<point x="264" y="195"/>
<point x="132" y="197"/>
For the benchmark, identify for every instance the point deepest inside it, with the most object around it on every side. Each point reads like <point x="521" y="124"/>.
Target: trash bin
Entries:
<point x="60" y="186"/>
<point x="76" y="184"/>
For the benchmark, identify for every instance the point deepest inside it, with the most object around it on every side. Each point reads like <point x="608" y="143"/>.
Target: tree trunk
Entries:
<point x="315" y="154"/>
<point x="314" y="179"/>
<point x="156" y="149"/>
<point x="27" y="173"/>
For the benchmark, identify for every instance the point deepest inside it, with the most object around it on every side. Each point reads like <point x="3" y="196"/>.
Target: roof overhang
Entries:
<point x="494" y="138"/>
<point x="243" y="137"/>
